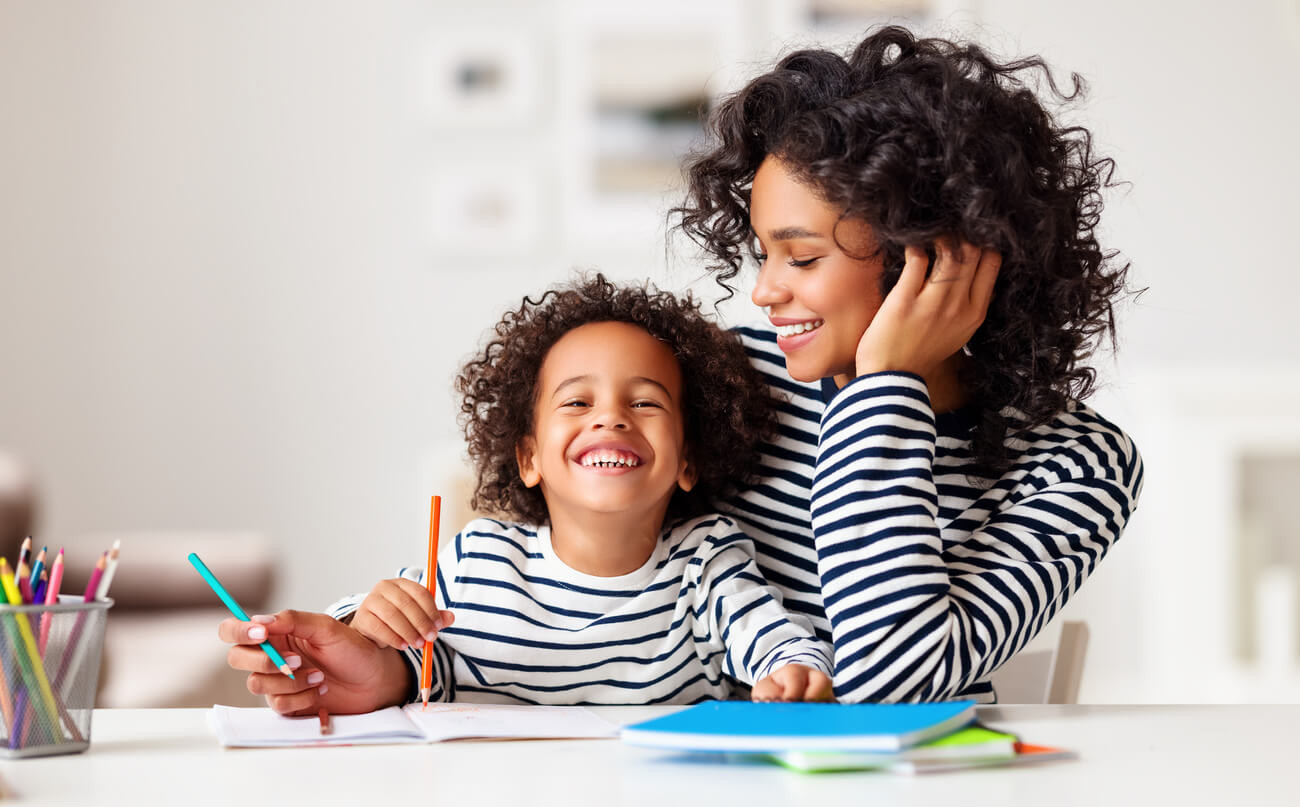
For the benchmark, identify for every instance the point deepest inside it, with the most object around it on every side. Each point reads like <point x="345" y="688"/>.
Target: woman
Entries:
<point x="925" y="237"/>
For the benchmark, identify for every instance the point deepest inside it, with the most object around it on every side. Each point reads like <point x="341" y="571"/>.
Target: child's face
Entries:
<point x="608" y="433"/>
<point x="820" y="299"/>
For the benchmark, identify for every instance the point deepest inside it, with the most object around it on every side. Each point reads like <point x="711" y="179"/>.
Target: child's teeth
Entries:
<point x="607" y="459"/>
<point x="798" y="328"/>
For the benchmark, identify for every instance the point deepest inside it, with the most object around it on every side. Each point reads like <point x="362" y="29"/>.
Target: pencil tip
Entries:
<point x="287" y="670"/>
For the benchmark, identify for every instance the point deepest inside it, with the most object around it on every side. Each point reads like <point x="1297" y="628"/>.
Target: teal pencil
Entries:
<point x="239" y="613"/>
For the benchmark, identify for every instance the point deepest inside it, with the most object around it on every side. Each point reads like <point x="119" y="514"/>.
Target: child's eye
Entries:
<point x="646" y="404"/>
<point x="760" y="257"/>
<point x="574" y="403"/>
<point x="801" y="264"/>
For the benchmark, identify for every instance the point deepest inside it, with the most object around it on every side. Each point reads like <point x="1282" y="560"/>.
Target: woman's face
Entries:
<point x="820" y="298"/>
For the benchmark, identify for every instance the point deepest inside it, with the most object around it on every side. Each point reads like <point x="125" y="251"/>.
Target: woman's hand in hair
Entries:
<point x="926" y="319"/>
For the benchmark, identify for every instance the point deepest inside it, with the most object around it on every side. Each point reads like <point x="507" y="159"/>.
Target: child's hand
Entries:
<point x="794" y="682"/>
<point x="400" y="613"/>
<point x="333" y="666"/>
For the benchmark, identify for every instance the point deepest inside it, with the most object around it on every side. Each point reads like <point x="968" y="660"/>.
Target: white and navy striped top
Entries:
<point x="926" y="578"/>
<point x="530" y="629"/>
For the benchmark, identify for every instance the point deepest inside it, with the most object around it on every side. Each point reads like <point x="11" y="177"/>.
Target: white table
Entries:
<point x="1169" y="755"/>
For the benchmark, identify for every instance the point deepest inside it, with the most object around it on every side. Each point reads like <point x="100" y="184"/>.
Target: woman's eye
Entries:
<point x="760" y="257"/>
<point x="801" y="264"/>
<point x="573" y="403"/>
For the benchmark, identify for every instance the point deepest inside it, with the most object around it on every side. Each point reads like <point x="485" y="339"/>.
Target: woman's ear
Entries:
<point x="526" y="456"/>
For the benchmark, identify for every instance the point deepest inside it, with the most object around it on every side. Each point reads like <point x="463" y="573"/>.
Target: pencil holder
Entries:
<point x="49" y="658"/>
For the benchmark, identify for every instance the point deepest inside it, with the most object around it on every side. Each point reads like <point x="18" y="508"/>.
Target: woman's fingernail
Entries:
<point x="257" y="633"/>
<point x="323" y="689"/>
<point x="294" y="662"/>
<point x="265" y="619"/>
<point x="316" y="677"/>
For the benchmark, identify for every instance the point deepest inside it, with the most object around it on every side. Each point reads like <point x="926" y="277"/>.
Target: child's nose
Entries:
<point x="609" y="419"/>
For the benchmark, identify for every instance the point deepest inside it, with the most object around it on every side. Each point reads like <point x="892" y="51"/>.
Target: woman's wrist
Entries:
<point x="394" y="679"/>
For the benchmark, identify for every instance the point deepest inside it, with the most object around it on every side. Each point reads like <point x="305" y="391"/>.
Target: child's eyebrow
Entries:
<point x="578" y="379"/>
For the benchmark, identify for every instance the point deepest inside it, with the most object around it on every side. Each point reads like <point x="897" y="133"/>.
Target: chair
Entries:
<point x="1049" y="675"/>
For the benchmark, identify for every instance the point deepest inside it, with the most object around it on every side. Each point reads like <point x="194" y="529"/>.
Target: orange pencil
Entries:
<point x="431" y="583"/>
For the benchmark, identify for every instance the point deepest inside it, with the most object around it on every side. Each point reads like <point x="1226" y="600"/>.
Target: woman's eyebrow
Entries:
<point x="791" y="233"/>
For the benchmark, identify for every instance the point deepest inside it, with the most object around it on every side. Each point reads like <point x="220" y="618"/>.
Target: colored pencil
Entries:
<point x="239" y="613"/>
<point x="51" y="597"/>
<point x="325" y="726"/>
<point x="33" y="670"/>
<point x="38" y="565"/>
<point x="96" y="574"/>
<point x="24" y="555"/>
<point x="109" y="571"/>
<point x="431" y="583"/>
<point x="75" y="650"/>
<point x="6" y="702"/>
<point x="38" y="593"/>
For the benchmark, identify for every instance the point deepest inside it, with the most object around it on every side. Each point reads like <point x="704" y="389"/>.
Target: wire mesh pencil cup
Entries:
<point x="49" y="658"/>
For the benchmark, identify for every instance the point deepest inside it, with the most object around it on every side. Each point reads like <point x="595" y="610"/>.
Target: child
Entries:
<point x="603" y="421"/>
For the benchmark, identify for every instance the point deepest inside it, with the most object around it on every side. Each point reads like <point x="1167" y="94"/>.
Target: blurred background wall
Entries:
<point x="244" y="246"/>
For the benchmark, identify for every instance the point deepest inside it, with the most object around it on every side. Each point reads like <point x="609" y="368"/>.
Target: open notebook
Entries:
<point x="263" y="728"/>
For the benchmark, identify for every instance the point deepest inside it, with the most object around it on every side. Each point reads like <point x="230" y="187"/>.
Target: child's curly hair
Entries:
<point x="923" y="139"/>
<point x="727" y="406"/>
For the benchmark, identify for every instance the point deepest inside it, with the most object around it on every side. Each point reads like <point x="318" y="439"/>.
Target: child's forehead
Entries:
<point x="610" y="346"/>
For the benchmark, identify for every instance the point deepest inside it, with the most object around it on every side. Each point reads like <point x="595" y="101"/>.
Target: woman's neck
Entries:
<point x="947" y="393"/>
<point x="605" y="544"/>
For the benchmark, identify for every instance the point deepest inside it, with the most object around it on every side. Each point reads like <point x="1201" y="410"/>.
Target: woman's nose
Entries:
<point x="768" y="290"/>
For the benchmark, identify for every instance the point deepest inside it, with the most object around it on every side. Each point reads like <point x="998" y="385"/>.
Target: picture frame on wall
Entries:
<point x="477" y="78"/>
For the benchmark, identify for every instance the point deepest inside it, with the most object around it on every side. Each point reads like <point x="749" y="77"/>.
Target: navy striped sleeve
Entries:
<point x="746" y="619"/>
<point x="912" y="617"/>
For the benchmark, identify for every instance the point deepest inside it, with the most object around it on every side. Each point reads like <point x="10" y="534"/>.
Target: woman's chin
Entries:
<point x="800" y="372"/>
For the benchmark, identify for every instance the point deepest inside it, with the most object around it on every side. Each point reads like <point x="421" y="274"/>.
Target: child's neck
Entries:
<point x="605" y="544"/>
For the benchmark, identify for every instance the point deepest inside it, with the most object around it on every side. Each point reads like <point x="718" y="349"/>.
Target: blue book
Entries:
<point x="748" y="727"/>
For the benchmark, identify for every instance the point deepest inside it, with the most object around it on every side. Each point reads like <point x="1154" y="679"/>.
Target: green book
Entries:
<point x="973" y="744"/>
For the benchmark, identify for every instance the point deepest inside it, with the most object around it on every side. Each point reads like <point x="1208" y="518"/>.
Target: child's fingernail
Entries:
<point x="323" y="689"/>
<point x="257" y="633"/>
<point x="402" y="646"/>
<point x="433" y="634"/>
<point x="265" y="619"/>
<point x="316" y="677"/>
<point x="418" y="644"/>
<point x="294" y="662"/>
<point x="438" y="624"/>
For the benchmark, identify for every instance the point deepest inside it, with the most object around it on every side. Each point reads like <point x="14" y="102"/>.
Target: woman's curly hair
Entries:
<point x="922" y="139"/>
<point x="727" y="406"/>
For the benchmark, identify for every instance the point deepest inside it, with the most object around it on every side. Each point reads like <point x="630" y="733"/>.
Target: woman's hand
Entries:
<point x="334" y="666"/>
<point x="923" y="321"/>
<point x="794" y="682"/>
<point x="400" y="613"/>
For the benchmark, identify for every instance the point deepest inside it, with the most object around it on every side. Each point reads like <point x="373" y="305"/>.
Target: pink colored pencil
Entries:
<point x="51" y="597"/>
<point x="92" y="587"/>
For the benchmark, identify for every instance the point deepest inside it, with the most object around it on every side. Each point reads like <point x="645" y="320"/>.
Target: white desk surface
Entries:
<point x="1172" y="755"/>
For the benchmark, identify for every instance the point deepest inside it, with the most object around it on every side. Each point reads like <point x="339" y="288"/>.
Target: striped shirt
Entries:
<point x="926" y="578"/>
<point x="530" y="629"/>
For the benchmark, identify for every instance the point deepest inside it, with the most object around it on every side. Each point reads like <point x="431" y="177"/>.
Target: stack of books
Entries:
<point x="822" y="737"/>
